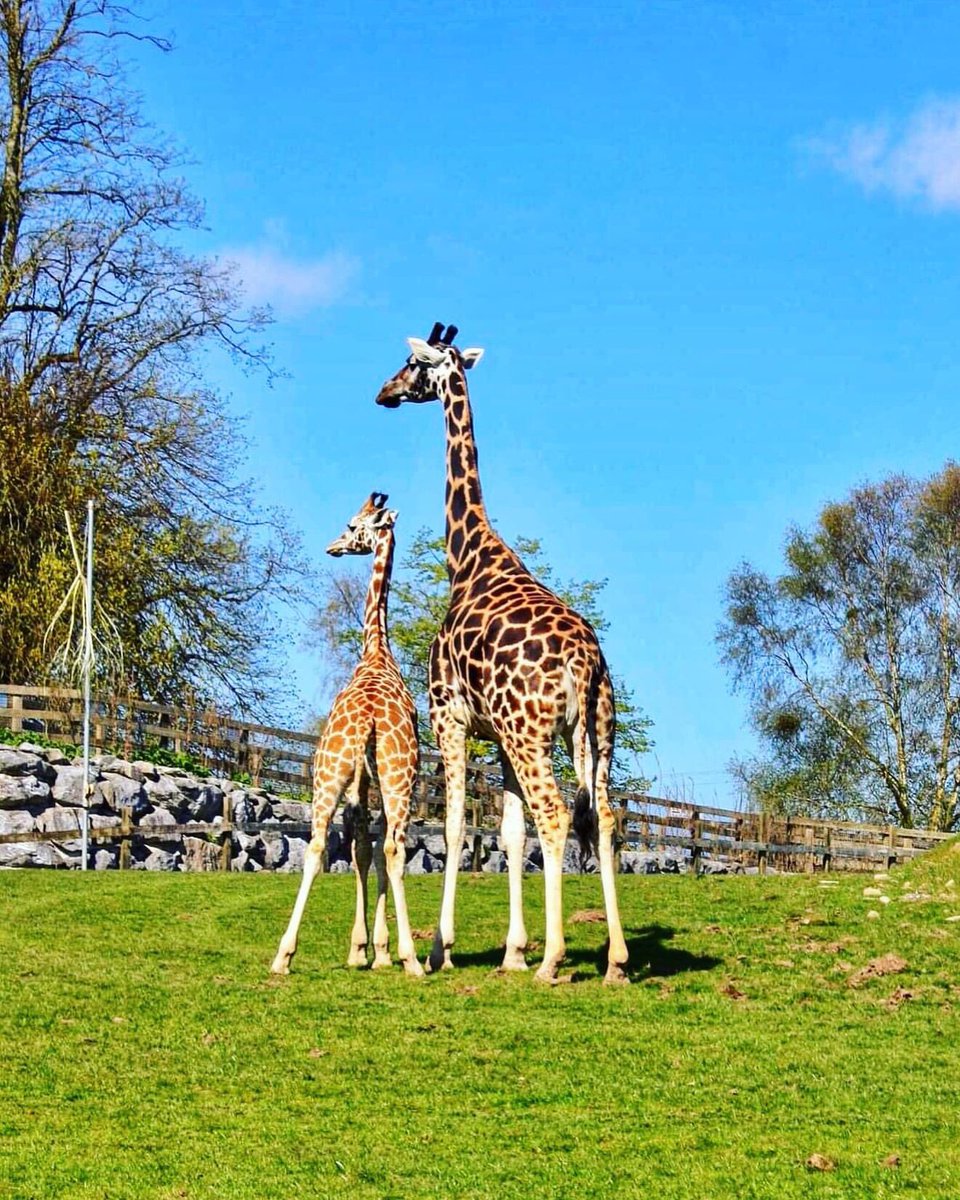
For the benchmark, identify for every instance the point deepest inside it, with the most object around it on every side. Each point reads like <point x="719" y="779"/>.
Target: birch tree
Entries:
<point x="850" y="657"/>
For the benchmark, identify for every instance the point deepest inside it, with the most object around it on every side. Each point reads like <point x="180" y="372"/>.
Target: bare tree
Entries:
<point x="102" y="316"/>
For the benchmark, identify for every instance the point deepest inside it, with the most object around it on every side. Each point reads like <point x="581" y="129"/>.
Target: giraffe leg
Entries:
<point x="323" y="808"/>
<point x="513" y="834"/>
<point x="381" y="931"/>
<point x="453" y="746"/>
<point x="362" y="856"/>
<point x="393" y="847"/>
<point x="617" y="948"/>
<point x="535" y="774"/>
<point x="601" y="750"/>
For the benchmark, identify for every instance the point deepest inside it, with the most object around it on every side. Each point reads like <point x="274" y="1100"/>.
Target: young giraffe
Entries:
<point x="513" y="663"/>
<point x="371" y="731"/>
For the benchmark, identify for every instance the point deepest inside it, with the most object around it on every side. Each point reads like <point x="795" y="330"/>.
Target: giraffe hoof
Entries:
<point x="413" y="969"/>
<point x="615" y="976"/>
<point x="380" y="962"/>
<point x="513" y="960"/>
<point x="279" y="969"/>
<point x="439" y="960"/>
<point x="357" y="958"/>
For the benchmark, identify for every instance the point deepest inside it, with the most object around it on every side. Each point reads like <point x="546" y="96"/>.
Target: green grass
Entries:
<point x="145" y="1052"/>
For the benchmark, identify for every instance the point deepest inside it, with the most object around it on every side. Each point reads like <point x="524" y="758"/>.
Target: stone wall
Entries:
<point x="41" y="790"/>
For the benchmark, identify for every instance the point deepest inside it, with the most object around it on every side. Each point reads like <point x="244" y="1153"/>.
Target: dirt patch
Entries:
<point x="820" y="1162"/>
<point x="732" y="992"/>
<point x="589" y="916"/>
<point x="899" y="996"/>
<point x="886" y="964"/>
<point x="421" y="935"/>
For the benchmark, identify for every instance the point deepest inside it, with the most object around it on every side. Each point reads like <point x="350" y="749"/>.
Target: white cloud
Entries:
<point x="291" y="286"/>
<point x="916" y="159"/>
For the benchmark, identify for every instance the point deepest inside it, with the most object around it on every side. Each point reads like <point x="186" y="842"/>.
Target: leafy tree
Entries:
<point x="102" y="320"/>
<point x="418" y="603"/>
<point x="850" y="657"/>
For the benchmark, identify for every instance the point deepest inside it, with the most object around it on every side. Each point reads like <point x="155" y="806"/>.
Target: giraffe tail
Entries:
<point x="586" y="824"/>
<point x="349" y="821"/>
<point x="352" y="813"/>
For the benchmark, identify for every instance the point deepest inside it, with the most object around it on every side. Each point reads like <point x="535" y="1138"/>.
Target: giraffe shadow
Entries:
<point x="650" y="956"/>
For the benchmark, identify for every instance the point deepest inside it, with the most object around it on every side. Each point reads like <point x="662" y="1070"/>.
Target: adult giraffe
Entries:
<point x="512" y="663"/>
<point x="371" y="731"/>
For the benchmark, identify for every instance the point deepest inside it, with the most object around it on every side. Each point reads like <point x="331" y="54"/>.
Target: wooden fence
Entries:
<point x="282" y="759"/>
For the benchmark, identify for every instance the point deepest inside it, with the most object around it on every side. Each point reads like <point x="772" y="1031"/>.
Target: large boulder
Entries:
<point x="59" y="820"/>
<point x="423" y="863"/>
<point x="296" y="850"/>
<point x="149" y="857"/>
<point x="292" y="810"/>
<point x="21" y="762"/>
<point x="275" y="851"/>
<point x="163" y="790"/>
<point x="200" y="854"/>
<point x="68" y="784"/>
<point x="638" y="862"/>
<point x="106" y="858"/>
<point x="23" y="791"/>
<point x="496" y="862"/>
<point x="435" y="844"/>
<point x="205" y="804"/>
<point x="17" y="820"/>
<point x="29" y="854"/>
<point x="119" y="791"/>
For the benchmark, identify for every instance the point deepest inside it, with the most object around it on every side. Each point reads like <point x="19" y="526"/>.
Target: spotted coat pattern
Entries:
<point x="514" y="663"/>
<point x="370" y="733"/>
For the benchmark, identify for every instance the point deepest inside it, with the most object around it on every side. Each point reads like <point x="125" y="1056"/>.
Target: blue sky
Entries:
<point x="710" y="249"/>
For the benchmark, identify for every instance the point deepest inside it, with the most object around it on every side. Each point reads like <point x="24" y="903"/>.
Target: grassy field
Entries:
<point x="145" y="1052"/>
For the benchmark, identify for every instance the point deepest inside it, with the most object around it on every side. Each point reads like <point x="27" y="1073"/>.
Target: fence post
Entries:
<point x="763" y="839"/>
<point x="256" y="764"/>
<point x="15" y="704"/>
<point x="126" y="832"/>
<point x="827" y="854"/>
<point x="808" y="840"/>
<point x="891" y="846"/>
<point x="226" y="834"/>
<point x="696" y="829"/>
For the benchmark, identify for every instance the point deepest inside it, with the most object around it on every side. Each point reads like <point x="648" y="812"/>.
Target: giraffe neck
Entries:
<point x="468" y="527"/>
<point x="375" y="610"/>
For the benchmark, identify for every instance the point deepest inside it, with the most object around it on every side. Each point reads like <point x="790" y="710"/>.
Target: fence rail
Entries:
<point x="282" y="760"/>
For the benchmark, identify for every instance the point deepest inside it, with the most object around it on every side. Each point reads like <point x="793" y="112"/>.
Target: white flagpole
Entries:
<point x="87" y="667"/>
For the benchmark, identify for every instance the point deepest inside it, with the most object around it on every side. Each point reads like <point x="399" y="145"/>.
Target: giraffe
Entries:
<point x="371" y="731"/>
<point x="512" y="663"/>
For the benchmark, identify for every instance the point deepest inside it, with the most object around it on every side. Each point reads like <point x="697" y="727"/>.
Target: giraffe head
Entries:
<point x="360" y="535"/>
<point x="431" y="363"/>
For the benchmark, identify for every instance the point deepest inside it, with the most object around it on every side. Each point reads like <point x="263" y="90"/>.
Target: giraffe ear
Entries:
<point x="423" y="352"/>
<point x="471" y="357"/>
<point x="384" y="518"/>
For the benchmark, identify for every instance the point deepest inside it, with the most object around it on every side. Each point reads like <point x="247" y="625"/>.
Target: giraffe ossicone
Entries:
<point x="515" y="664"/>
<point x="370" y="732"/>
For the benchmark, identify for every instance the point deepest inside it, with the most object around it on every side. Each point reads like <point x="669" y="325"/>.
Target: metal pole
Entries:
<point x="87" y="666"/>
